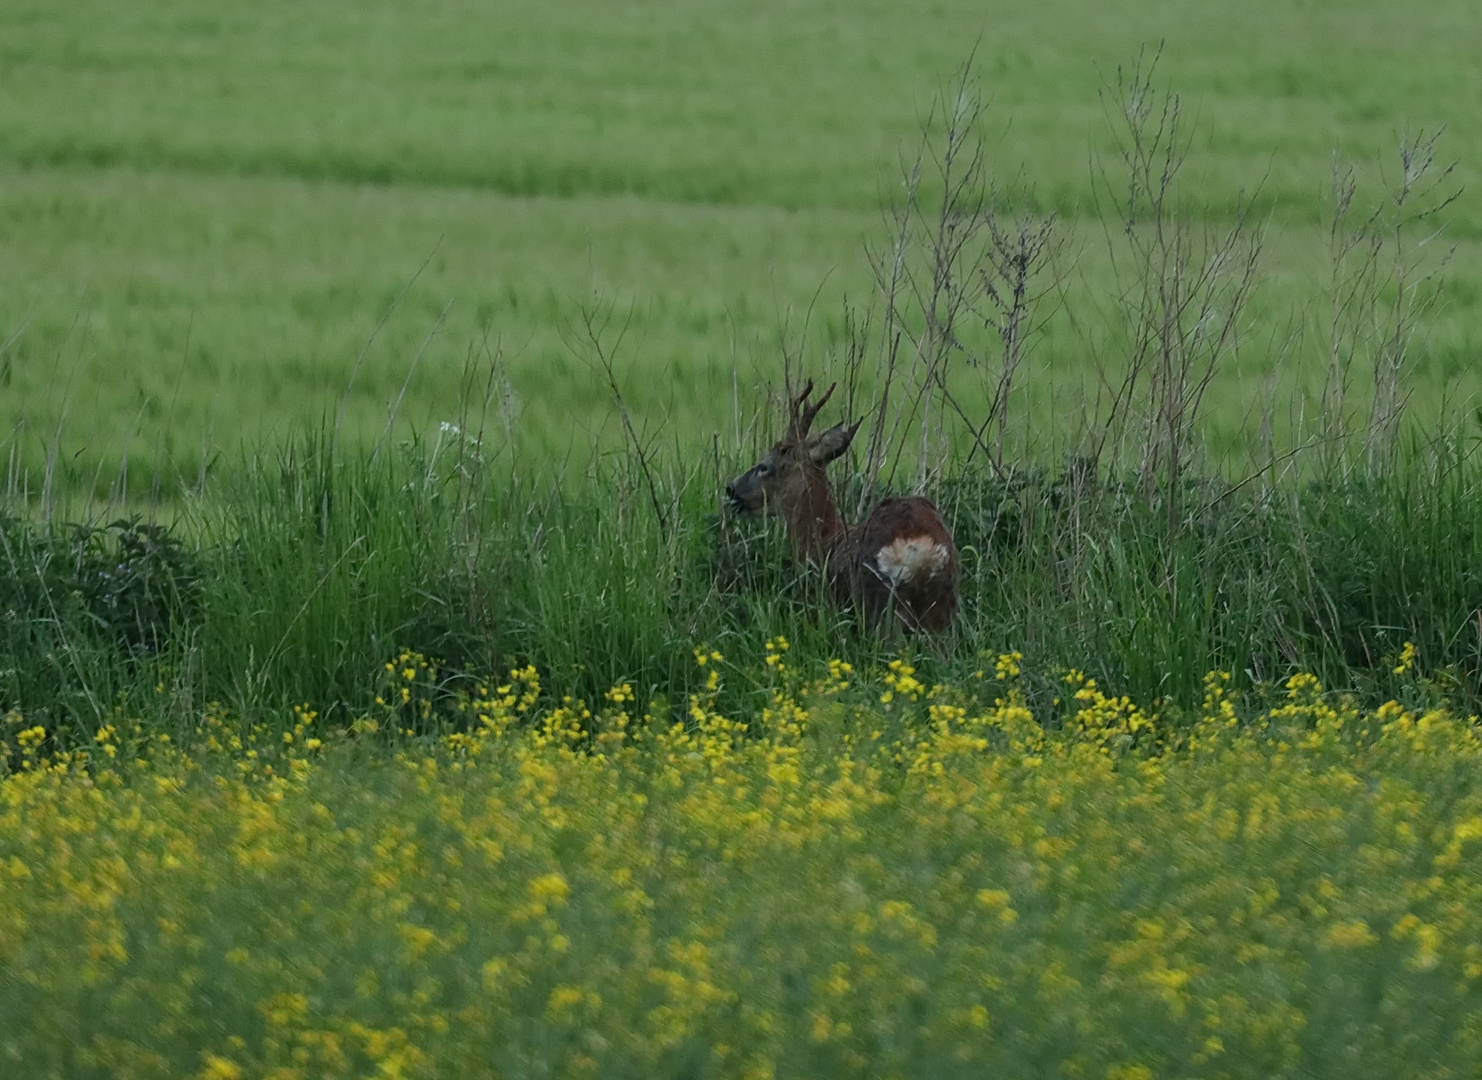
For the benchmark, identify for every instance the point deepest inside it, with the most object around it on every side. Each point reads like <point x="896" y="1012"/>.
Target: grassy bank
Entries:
<point x="299" y="582"/>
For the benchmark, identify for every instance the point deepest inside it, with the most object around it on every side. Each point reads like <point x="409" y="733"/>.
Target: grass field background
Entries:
<point x="206" y="209"/>
<point x="330" y="747"/>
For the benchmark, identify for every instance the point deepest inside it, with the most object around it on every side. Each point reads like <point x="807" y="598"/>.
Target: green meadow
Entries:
<point x="440" y="328"/>
<point x="219" y="224"/>
<point x="385" y="690"/>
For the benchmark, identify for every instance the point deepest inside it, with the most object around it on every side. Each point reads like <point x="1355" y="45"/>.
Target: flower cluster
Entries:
<point x="937" y="886"/>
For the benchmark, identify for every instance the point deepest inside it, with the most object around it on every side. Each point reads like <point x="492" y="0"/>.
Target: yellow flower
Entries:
<point x="1407" y="659"/>
<point x="1350" y="935"/>
<point x="220" y="1068"/>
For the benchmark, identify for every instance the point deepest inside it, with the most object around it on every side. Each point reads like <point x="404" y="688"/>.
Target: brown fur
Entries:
<point x="901" y="558"/>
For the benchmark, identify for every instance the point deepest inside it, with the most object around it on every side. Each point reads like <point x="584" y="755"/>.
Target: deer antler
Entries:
<point x="803" y="413"/>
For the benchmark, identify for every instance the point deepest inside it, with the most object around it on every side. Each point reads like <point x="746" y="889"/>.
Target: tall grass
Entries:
<point x="313" y="571"/>
<point x="294" y="574"/>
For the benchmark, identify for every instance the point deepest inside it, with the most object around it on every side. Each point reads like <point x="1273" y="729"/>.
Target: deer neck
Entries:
<point x="814" y="526"/>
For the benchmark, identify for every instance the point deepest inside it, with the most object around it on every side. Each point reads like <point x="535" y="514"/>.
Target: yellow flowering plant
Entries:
<point x="937" y="885"/>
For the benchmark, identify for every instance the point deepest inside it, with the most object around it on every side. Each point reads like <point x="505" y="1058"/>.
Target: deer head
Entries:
<point x="789" y="480"/>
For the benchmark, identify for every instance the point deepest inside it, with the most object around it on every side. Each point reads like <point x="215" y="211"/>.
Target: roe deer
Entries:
<point x="901" y="558"/>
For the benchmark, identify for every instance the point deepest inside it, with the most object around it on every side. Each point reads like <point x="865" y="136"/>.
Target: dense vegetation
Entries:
<point x="385" y="691"/>
<point x="301" y="582"/>
<point x="859" y="876"/>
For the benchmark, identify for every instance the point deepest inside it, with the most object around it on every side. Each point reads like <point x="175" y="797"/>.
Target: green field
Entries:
<point x="206" y="209"/>
<point x="382" y="695"/>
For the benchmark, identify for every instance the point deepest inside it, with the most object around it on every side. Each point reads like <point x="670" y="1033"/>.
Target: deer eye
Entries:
<point x="763" y="469"/>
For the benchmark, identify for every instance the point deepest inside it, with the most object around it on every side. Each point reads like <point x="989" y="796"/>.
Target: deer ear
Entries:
<point x="832" y="443"/>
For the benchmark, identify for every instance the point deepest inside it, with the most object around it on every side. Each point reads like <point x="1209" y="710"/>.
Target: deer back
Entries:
<point x="900" y="559"/>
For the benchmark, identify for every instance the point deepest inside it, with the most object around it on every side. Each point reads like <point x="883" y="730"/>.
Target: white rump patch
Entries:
<point x="910" y="558"/>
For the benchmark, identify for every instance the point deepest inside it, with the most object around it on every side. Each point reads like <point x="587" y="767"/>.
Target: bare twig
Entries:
<point x="339" y="418"/>
<point x="956" y="275"/>
<point x="406" y="382"/>
<point x="593" y="328"/>
<point x="1183" y="291"/>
